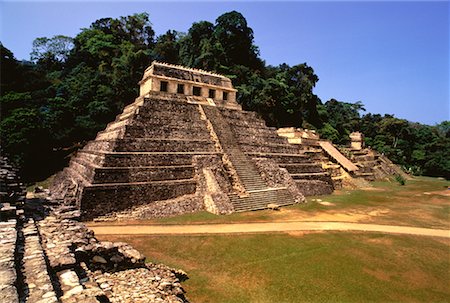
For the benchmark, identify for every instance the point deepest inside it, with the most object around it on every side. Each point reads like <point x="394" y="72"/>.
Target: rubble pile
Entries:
<point x="47" y="255"/>
<point x="108" y="271"/>
<point x="12" y="191"/>
<point x="8" y="277"/>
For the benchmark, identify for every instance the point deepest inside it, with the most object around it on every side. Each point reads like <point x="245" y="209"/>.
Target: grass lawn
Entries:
<point x="422" y="202"/>
<point x="298" y="267"/>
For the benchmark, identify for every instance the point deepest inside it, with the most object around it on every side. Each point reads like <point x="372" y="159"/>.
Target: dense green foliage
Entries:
<point x="74" y="86"/>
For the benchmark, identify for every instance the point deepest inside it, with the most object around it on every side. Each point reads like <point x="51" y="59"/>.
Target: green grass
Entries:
<point x="420" y="202"/>
<point x="317" y="267"/>
<point x="332" y="267"/>
<point x="402" y="205"/>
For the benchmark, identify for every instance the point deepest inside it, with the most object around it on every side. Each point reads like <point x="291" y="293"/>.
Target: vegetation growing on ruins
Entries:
<point x="74" y="86"/>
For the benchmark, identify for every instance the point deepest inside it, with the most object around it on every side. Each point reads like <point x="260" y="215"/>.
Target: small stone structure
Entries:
<point x="343" y="164"/>
<point x="356" y="141"/>
<point x="372" y="165"/>
<point x="197" y="85"/>
<point x="306" y="137"/>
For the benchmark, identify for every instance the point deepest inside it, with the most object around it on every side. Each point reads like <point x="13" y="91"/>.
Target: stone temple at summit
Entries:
<point x="185" y="145"/>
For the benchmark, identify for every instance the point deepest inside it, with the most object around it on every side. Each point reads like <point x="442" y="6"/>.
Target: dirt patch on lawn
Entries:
<point x="445" y="192"/>
<point x="378" y="274"/>
<point x="352" y="215"/>
<point x="383" y="241"/>
<point x="300" y="234"/>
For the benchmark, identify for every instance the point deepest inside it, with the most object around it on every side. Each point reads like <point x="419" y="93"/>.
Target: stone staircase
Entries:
<point x="365" y="160"/>
<point x="257" y="140"/>
<point x="257" y="195"/>
<point x="373" y="165"/>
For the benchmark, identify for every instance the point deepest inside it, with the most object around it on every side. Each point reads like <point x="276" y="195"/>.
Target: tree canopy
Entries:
<point x="73" y="87"/>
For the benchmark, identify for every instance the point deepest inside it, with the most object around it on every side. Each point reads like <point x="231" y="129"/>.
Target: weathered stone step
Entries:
<point x="261" y="139"/>
<point x="281" y="158"/>
<point x="364" y="169"/>
<point x="95" y="157"/>
<point x="269" y="148"/>
<point x="296" y="168"/>
<point x="111" y="134"/>
<point x="246" y="129"/>
<point x="239" y="115"/>
<point x="142" y="174"/>
<point x="322" y="176"/>
<point x="153" y="145"/>
<point x="369" y="176"/>
<point x="82" y="167"/>
<point x="117" y="124"/>
<point x="314" y="187"/>
<point x="76" y="176"/>
<point x="161" y="118"/>
<point x="133" y="159"/>
<point x="100" y="199"/>
<point x="130" y="114"/>
<point x="238" y="123"/>
<point x="137" y="103"/>
<point x="175" y="111"/>
<point x="363" y="158"/>
<point x="167" y="105"/>
<point x="195" y="131"/>
<point x="260" y="199"/>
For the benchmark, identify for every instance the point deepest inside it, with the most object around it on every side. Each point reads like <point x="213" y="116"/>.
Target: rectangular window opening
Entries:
<point x="180" y="88"/>
<point x="197" y="91"/>
<point x="225" y="96"/>
<point x="212" y="93"/>
<point x="163" y="86"/>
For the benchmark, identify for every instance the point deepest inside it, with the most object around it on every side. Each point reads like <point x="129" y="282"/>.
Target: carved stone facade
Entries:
<point x="198" y="85"/>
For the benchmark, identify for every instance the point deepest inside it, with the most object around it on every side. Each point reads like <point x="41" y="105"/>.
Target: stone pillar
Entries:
<point x="156" y="85"/>
<point x="146" y="86"/>
<point x="172" y="87"/>
<point x="357" y="140"/>
<point x="231" y="97"/>
<point x="205" y="91"/>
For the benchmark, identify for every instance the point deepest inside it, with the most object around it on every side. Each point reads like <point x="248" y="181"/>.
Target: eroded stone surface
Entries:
<point x="47" y="256"/>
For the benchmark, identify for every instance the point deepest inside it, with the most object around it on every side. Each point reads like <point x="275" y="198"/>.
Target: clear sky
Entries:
<point x="392" y="56"/>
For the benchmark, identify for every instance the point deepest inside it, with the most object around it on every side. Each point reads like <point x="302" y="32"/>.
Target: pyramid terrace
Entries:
<point x="186" y="145"/>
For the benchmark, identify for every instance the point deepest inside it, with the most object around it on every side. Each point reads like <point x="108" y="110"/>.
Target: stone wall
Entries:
<point x="275" y="176"/>
<point x="47" y="255"/>
<point x="12" y="191"/>
<point x="213" y="185"/>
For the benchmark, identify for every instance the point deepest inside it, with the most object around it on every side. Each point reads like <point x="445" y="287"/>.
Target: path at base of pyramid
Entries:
<point x="195" y="229"/>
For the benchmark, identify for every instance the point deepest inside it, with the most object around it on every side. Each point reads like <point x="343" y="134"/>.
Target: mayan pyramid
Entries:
<point x="185" y="138"/>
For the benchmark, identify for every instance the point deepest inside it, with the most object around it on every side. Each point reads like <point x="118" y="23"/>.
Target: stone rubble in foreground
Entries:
<point x="47" y="255"/>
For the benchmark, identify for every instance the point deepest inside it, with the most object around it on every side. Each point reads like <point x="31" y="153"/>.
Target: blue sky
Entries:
<point x="392" y="56"/>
